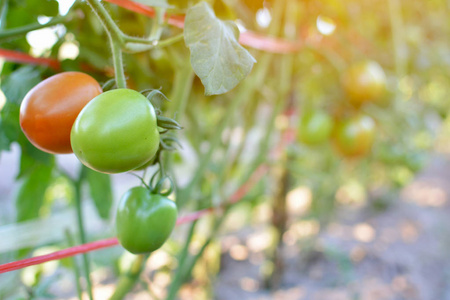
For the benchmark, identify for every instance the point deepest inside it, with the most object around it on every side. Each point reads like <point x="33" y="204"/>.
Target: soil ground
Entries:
<point x="401" y="253"/>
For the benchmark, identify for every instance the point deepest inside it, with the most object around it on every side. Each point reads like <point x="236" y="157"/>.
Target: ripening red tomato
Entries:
<point x="49" y="109"/>
<point x="355" y="136"/>
<point x="364" y="82"/>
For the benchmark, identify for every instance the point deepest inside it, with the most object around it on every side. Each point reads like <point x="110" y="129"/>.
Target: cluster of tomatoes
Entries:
<point x="110" y="132"/>
<point x="352" y="135"/>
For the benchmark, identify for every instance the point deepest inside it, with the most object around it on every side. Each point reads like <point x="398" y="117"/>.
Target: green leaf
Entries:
<point x="155" y="3"/>
<point x="101" y="192"/>
<point x="31" y="156"/>
<point x="30" y="197"/>
<point x="9" y="125"/>
<point x="17" y="85"/>
<point x="216" y="55"/>
<point x="48" y="8"/>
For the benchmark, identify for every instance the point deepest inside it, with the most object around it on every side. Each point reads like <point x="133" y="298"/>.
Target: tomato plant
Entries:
<point x="49" y="110"/>
<point x="315" y="127"/>
<point x="239" y="120"/>
<point x="364" y="81"/>
<point x="355" y="136"/>
<point x="144" y="221"/>
<point x="116" y="132"/>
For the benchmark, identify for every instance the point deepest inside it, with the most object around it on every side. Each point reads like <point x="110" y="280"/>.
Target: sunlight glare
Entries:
<point x="364" y="232"/>
<point x="325" y="25"/>
<point x="263" y="17"/>
<point x="2" y="100"/>
<point x="64" y="6"/>
<point x="299" y="200"/>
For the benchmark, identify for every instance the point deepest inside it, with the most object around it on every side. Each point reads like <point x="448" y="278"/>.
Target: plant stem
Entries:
<point x="156" y="30"/>
<point x="183" y="80"/>
<point x="81" y="230"/>
<point x="108" y="23"/>
<point x="279" y="220"/>
<point x="116" y="40"/>
<point x="118" y="64"/>
<point x="191" y="263"/>
<point x="279" y="209"/>
<point x="127" y="281"/>
<point x="135" y="44"/>
<point x="75" y="265"/>
<point x="154" y="43"/>
<point x="3" y="12"/>
<point x="177" y="280"/>
<point x="13" y="32"/>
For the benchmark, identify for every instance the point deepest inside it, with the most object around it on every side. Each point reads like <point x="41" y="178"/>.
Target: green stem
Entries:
<point x="154" y="43"/>
<point x="116" y="40"/>
<point x="136" y="44"/>
<point x="118" y="64"/>
<point x="191" y="263"/>
<point x="81" y="230"/>
<point x="108" y="23"/>
<point x="184" y="78"/>
<point x="177" y="280"/>
<point x="156" y="30"/>
<point x="279" y="209"/>
<point x="19" y="31"/>
<point x="75" y="265"/>
<point x="3" y="12"/>
<point x="128" y="281"/>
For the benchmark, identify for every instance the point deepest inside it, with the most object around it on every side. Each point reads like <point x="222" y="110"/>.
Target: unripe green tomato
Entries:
<point x="116" y="132"/>
<point x="315" y="127"/>
<point x="364" y="82"/>
<point x="151" y="162"/>
<point x="144" y="221"/>
<point x="355" y="136"/>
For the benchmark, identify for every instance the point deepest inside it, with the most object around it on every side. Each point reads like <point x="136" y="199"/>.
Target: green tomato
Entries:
<point x="315" y="127"/>
<point x="355" y="136"/>
<point x="116" y="132"/>
<point x="144" y="221"/>
<point x="364" y="82"/>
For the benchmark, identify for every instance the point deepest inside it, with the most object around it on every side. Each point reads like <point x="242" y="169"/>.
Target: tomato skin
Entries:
<point x="355" y="136"/>
<point x="363" y="82"/>
<point x="116" y="132"/>
<point x="144" y="221"/>
<point x="49" y="109"/>
<point x="315" y="128"/>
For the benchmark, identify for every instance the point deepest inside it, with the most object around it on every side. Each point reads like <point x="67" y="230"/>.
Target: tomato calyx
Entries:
<point x="164" y="122"/>
<point x="167" y="123"/>
<point x="164" y="186"/>
<point x="109" y="85"/>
